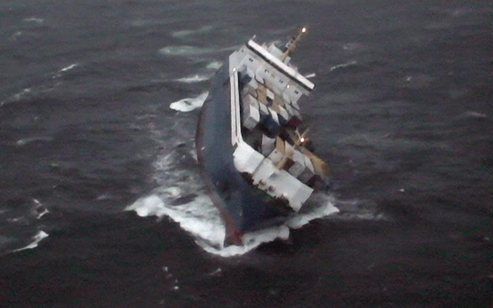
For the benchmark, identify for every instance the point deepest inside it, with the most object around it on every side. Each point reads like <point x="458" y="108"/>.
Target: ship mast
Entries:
<point x="292" y="44"/>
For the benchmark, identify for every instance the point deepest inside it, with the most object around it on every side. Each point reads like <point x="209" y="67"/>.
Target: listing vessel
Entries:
<point x="252" y="146"/>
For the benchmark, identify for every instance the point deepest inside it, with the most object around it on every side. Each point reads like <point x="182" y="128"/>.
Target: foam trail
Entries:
<point x="37" y="238"/>
<point x="343" y="65"/>
<point x="189" y="104"/>
<point x="194" y="78"/>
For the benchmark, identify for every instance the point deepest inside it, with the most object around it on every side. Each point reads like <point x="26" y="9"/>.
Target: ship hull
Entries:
<point x="243" y="207"/>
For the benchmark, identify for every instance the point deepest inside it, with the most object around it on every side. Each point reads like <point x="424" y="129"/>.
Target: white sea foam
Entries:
<point x="193" y="154"/>
<point x="254" y="239"/>
<point x="25" y="141"/>
<point x="459" y="12"/>
<point x="69" y="67"/>
<point x="16" y="35"/>
<point x="342" y="65"/>
<point x="214" y="65"/>
<point x="35" y="20"/>
<point x="104" y="196"/>
<point x="39" y="210"/>
<point x="36" y="239"/>
<point x="194" y="78"/>
<point x="21" y="219"/>
<point x="16" y="97"/>
<point x="190" y="32"/>
<point x="352" y="46"/>
<point x="324" y="206"/>
<point x="198" y="217"/>
<point x="42" y="213"/>
<point x="202" y="220"/>
<point x="250" y="240"/>
<point x="215" y="272"/>
<point x="475" y="114"/>
<point x="189" y="104"/>
<point x="191" y="51"/>
<point x="184" y="50"/>
<point x="356" y="209"/>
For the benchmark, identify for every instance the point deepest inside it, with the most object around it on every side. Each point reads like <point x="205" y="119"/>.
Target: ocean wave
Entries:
<point x="189" y="104"/>
<point x="15" y="35"/>
<point x="39" y="210"/>
<point x="69" y="67"/>
<point x="352" y="46"/>
<point x="356" y="209"/>
<point x="25" y="141"/>
<point x="35" y="20"/>
<point x="42" y="213"/>
<point x="202" y="220"/>
<point x="254" y="239"/>
<point x="41" y="235"/>
<point x="214" y="65"/>
<point x="16" y="97"/>
<point x="184" y="50"/>
<point x="475" y="114"/>
<point x="191" y="32"/>
<point x="194" y="78"/>
<point x="191" y="51"/>
<point x="459" y="12"/>
<point x="149" y="22"/>
<point x="342" y="65"/>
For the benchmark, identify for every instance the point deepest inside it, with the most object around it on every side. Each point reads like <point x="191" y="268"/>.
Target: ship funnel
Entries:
<point x="292" y="44"/>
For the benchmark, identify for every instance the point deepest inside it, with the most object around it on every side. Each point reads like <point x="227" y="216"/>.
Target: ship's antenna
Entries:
<point x="292" y="44"/>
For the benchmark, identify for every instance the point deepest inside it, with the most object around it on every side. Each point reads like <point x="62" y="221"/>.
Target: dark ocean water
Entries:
<point x="402" y="110"/>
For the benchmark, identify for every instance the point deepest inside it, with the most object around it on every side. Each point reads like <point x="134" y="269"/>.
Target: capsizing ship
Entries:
<point x="259" y="169"/>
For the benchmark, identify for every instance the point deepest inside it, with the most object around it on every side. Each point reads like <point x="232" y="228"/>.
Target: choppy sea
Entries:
<point x="101" y="201"/>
